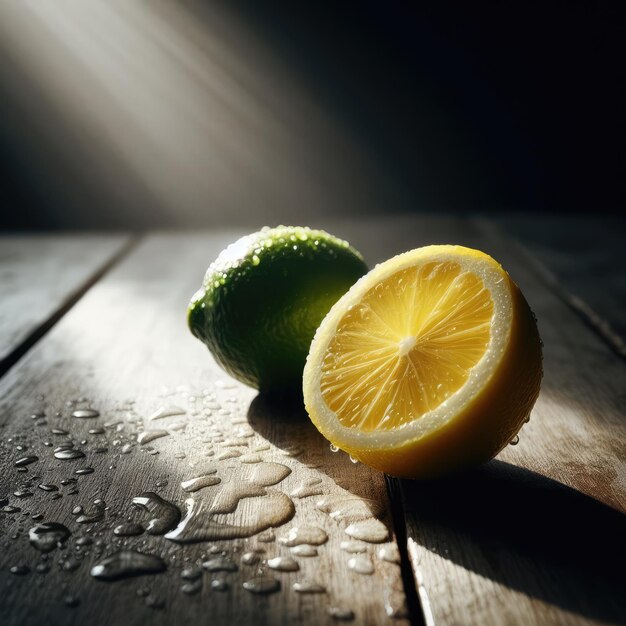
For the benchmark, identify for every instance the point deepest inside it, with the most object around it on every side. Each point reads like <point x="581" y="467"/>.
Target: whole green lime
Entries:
<point x="263" y="298"/>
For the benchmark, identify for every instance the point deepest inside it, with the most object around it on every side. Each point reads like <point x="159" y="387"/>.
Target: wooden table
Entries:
<point x="98" y="322"/>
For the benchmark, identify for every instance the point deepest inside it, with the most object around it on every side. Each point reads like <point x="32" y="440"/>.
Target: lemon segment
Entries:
<point x="424" y="327"/>
<point x="431" y="362"/>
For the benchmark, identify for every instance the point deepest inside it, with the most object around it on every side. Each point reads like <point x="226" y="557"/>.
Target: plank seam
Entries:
<point x="396" y="510"/>
<point x="42" y="329"/>
<point x="590" y="318"/>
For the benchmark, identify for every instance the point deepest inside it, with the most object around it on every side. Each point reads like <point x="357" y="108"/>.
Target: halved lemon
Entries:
<point x="429" y="364"/>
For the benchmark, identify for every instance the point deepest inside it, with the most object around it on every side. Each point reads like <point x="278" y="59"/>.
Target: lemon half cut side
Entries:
<point x="430" y="363"/>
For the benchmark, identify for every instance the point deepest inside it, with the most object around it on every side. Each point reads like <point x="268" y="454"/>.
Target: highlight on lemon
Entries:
<point x="429" y="364"/>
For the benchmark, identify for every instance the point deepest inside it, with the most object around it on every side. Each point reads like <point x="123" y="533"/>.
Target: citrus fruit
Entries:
<point x="263" y="298"/>
<point x="430" y="363"/>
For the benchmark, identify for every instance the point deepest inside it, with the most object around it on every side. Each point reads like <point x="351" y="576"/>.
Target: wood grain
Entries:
<point x="537" y="536"/>
<point x="40" y="277"/>
<point x="581" y="259"/>
<point x="124" y="350"/>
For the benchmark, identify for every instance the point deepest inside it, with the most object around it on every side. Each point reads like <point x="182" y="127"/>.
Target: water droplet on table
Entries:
<point x="514" y="441"/>
<point x="85" y="413"/>
<point x="84" y="541"/>
<point x="262" y="585"/>
<point x="220" y="564"/>
<point x="311" y="535"/>
<point x="151" y="435"/>
<point x="47" y="487"/>
<point x="235" y="442"/>
<point x="306" y="490"/>
<point x="389" y="553"/>
<point x="165" y="515"/>
<point x="20" y="570"/>
<point x="97" y="431"/>
<point x="22" y="493"/>
<point x="26" y="460"/>
<point x="166" y="411"/>
<point x="283" y="564"/>
<point x="59" y="431"/>
<point x="192" y="572"/>
<point x="127" y="563"/>
<point x="349" y="508"/>
<point x="96" y="514"/>
<point x="83" y="471"/>
<point x="192" y="588"/>
<point x="250" y="458"/>
<point x="275" y="509"/>
<point x="353" y="547"/>
<point x="195" y="484"/>
<point x="219" y="585"/>
<point x="69" y="454"/>
<point x="70" y="565"/>
<point x="129" y="529"/>
<point x="395" y="604"/>
<point x="370" y="530"/>
<point x="229" y="454"/>
<point x="361" y="564"/>
<point x="292" y="451"/>
<point x="306" y="586"/>
<point x="46" y="537"/>
<point x="304" y="550"/>
<point x="199" y="525"/>
<point x="10" y="509"/>
<point x="250" y="558"/>
<point x="341" y="614"/>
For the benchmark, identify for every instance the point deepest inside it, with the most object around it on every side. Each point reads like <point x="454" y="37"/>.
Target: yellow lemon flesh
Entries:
<point x="429" y="364"/>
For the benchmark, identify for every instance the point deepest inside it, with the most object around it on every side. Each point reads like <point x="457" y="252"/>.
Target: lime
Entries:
<point x="263" y="298"/>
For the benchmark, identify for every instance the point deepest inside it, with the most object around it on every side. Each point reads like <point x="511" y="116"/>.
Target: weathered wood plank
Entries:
<point x="502" y="545"/>
<point x="537" y="536"/>
<point x="40" y="277"/>
<point x="125" y="350"/>
<point x="581" y="258"/>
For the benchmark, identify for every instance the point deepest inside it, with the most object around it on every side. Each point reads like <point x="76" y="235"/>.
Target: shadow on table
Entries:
<point x="283" y="421"/>
<point x="527" y="532"/>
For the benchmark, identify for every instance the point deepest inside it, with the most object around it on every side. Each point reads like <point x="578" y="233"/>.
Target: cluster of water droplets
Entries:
<point x="235" y="501"/>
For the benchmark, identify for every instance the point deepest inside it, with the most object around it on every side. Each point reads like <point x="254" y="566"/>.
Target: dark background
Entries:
<point x="458" y="107"/>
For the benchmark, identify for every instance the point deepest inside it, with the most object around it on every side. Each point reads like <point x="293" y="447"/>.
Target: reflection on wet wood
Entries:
<point x="124" y="351"/>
